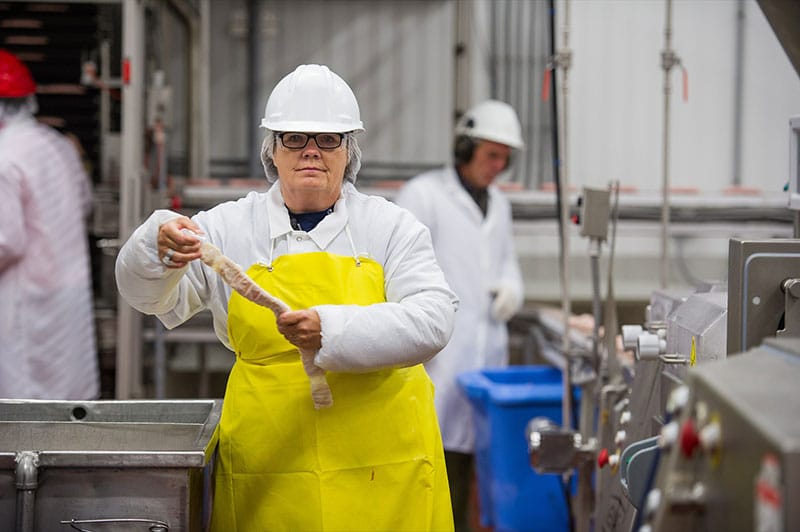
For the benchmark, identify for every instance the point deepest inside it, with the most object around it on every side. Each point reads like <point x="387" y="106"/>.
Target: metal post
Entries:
<point x="562" y="61"/>
<point x="668" y="61"/>
<point x="253" y="97"/>
<point x="129" y="347"/>
<point x="201" y="88"/>
<point x="738" y="94"/>
<point x="159" y="343"/>
<point x="105" y="109"/>
<point x="594" y="263"/>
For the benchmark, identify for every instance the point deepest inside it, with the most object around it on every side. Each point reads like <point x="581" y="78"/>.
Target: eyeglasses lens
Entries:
<point x="325" y="141"/>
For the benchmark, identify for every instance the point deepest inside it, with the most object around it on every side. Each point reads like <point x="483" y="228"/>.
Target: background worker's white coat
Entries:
<point x="478" y="258"/>
<point x="408" y="329"/>
<point x="47" y="338"/>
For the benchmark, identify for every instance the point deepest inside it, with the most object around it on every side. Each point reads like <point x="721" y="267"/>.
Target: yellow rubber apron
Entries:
<point x="373" y="461"/>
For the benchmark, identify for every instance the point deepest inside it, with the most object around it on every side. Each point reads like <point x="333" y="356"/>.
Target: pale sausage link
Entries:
<point x="234" y="276"/>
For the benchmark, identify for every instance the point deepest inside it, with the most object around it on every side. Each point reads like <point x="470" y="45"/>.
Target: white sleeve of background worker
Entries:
<point x="411" y="327"/>
<point x="510" y="277"/>
<point x="46" y="314"/>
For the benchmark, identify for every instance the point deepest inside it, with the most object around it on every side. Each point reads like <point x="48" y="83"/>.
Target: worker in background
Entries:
<point x="47" y="334"/>
<point x="470" y="223"/>
<point x="367" y="296"/>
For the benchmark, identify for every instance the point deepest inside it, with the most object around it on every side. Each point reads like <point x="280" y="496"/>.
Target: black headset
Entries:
<point x="464" y="146"/>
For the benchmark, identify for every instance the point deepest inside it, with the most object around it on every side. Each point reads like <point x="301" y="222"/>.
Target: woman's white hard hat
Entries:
<point x="312" y="99"/>
<point x="492" y="120"/>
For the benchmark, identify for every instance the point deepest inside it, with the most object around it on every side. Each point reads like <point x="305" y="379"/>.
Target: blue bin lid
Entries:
<point x="514" y="385"/>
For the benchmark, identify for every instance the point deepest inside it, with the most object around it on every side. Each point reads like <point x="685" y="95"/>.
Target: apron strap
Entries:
<point x="352" y="245"/>
<point x="271" y="252"/>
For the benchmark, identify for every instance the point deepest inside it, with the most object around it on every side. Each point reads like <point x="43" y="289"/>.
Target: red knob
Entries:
<point x="602" y="458"/>
<point x="689" y="438"/>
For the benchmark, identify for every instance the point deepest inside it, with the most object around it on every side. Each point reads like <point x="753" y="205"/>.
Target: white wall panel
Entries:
<point x="771" y="88"/>
<point x="616" y="95"/>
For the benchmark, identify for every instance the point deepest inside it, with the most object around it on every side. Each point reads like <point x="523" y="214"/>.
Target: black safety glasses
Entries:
<point x="298" y="141"/>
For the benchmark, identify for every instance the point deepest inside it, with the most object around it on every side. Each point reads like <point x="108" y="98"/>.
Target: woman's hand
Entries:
<point x="177" y="248"/>
<point x="302" y="328"/>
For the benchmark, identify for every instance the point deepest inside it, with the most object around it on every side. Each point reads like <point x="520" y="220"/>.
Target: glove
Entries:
<point x="506" y="303"/>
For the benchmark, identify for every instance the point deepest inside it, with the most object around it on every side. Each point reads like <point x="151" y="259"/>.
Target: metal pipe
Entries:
<point x="554" y="112"/>
<point x="202" y="91"/>
<point x="160" y="347"/>
<point x="562" y="61"/>
<point x="493" y="53"/>
<point x="668" y="60"/>
<point x="26" y="482"/>
<point x="252" y="82"/>
<point x="594" y="263"/>
<point x="128" y="374"/>
<point x="611" y="325"/>
<point x="737" y="98"/>
<point x="105" y="109"/>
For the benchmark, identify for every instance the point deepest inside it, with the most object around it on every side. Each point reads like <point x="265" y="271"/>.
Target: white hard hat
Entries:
<point x="312" y="99"/>
<point x="492" y="120"/>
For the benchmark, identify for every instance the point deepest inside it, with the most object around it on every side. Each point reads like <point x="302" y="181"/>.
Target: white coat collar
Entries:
<point x="324" y="233"/>
<point x="454" y="186"/>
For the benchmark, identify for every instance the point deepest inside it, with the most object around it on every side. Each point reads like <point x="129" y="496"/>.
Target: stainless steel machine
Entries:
<point x="732" y="459"/>
<point x="689" y="351"/>
<point x="107" y="465"/>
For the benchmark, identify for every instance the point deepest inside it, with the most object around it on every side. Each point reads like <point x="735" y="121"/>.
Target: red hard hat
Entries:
<point x="15" y="78"/>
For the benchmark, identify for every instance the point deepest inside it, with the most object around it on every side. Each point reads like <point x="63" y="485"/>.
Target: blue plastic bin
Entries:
<point x="513" y="497"/>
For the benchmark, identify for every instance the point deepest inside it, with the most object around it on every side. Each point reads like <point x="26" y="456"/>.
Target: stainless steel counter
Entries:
<point x="107" y="465"/>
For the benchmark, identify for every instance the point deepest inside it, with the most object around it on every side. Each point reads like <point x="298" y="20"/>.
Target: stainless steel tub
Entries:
<point x="107" y="465"/>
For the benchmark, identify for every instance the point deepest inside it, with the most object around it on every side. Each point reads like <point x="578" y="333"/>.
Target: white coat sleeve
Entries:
<point x="12" y="222"/>
<point x="152" y="288"/>
<point x="509" y="283"/>
<point x="413" y="325"/>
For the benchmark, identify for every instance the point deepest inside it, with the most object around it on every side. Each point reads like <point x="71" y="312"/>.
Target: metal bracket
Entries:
<point x="791" y="320"/>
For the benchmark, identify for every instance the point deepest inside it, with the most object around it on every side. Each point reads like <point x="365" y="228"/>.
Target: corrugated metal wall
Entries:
<point x="399" y="58"/>
<point x="519" y="54"/>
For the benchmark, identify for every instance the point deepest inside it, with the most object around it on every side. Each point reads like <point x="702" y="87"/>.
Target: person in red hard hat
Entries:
<point x="46" y="315"/>
<point x="15" y="79"/>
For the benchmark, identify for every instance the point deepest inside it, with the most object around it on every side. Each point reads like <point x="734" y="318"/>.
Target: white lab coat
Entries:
<point x="477" y="255"/>
<point x="410" y="328"/>
<point x="47" y="338"/>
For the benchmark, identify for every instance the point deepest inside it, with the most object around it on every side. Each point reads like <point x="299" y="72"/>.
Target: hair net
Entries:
<point x="350" y="171"/>
<point x="13" y="109"/>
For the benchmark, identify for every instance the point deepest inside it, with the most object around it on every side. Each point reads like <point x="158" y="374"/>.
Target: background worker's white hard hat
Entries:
<point x="492" y="120"/>
<point x="312" y="99"/>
